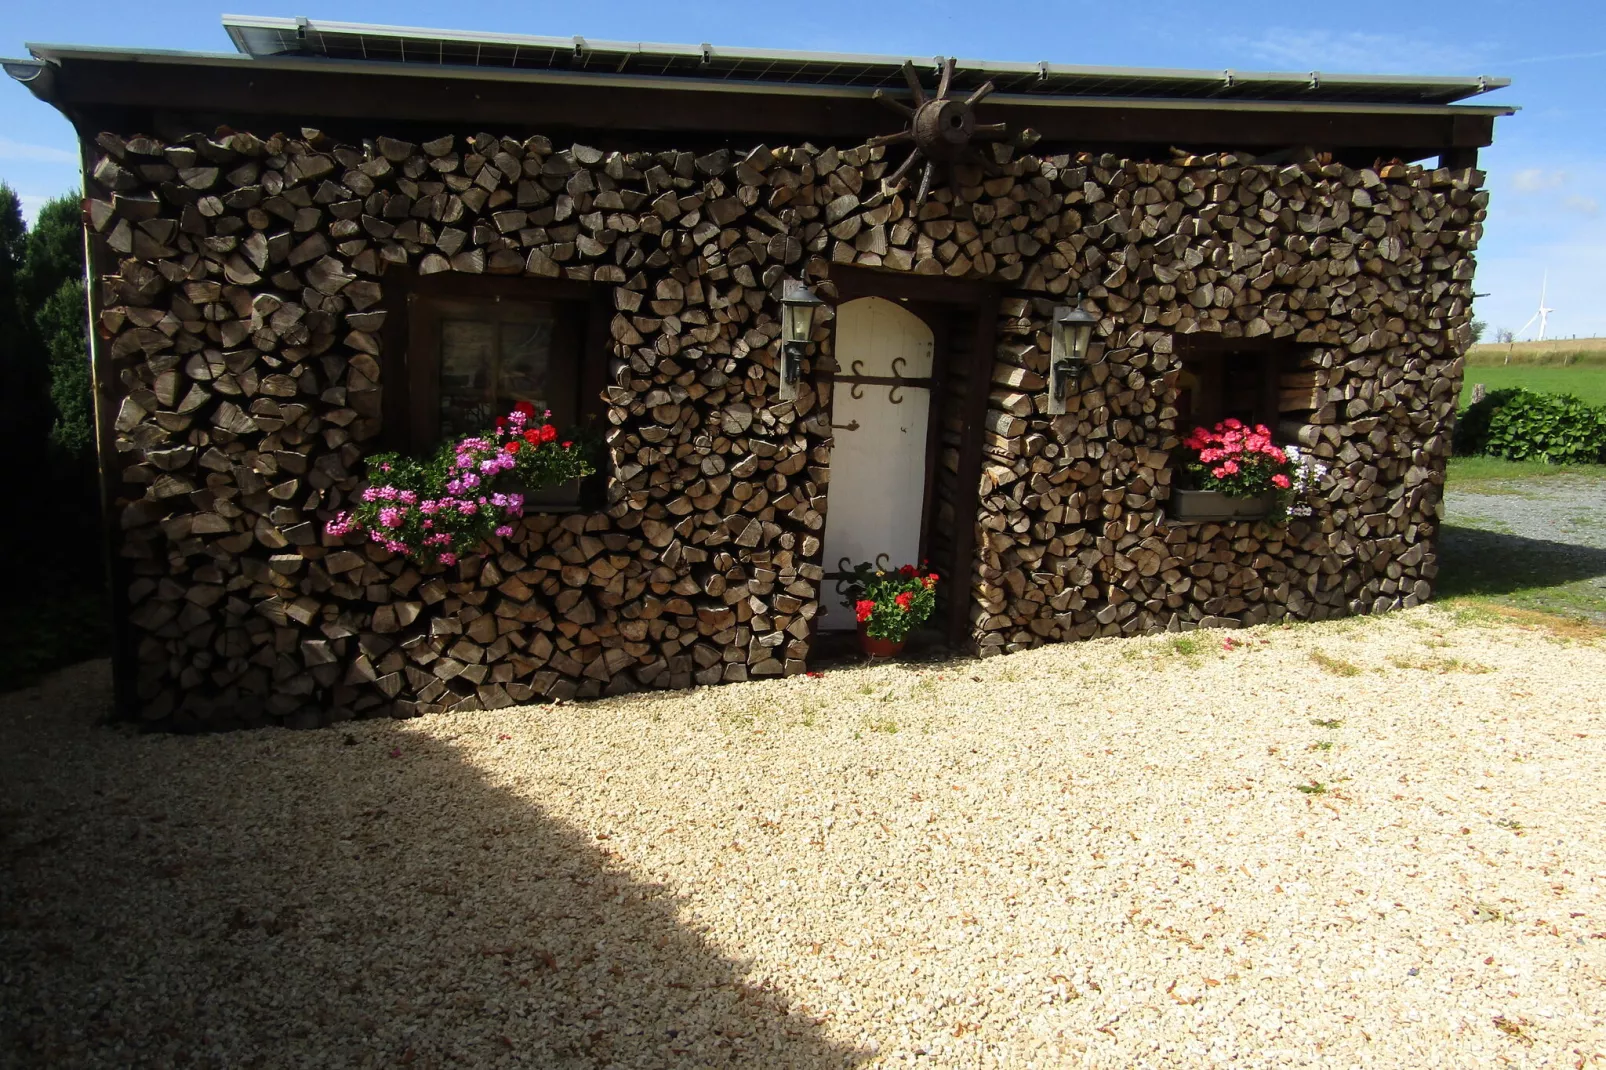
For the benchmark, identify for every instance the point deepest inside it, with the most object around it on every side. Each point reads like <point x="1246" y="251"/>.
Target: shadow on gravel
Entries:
<point x="355" y="896"/>
<point x="1489" y="563"/>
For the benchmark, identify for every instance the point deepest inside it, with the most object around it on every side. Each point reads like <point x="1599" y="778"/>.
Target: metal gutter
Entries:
<point x="55" y="54"/>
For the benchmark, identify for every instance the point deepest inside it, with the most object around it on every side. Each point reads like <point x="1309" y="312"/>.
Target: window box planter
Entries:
<point x="1202" y="505"/>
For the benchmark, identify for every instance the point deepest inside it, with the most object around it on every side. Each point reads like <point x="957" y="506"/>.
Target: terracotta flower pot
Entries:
<point x="879" y="648"/>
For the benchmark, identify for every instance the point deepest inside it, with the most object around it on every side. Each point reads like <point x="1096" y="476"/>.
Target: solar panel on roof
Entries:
<point x="263" y="37"/>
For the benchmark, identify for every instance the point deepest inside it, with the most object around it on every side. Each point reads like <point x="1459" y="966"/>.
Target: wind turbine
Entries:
<point x="1543" y="315"/>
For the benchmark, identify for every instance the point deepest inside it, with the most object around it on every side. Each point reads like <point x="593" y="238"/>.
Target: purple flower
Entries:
<point x="391" y="517"/>
<point x="448" y="559"/>
<point x="505" y="530"/>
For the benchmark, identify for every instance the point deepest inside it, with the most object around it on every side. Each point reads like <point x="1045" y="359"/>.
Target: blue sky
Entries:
<point x="1547" y="168"/>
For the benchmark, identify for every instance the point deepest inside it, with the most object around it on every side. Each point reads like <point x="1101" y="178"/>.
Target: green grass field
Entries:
<point x="1587" y="381"/>
<point x="1496" y="475"/>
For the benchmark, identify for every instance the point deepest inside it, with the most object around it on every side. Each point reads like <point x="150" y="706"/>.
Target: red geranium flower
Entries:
<point x="525" y="407"/>
<point x="548" y="433"/>
<point x="906" y="571"/>
<point x="863" y="608"/>
<point x="533" y="437"/>
<point x="513" y="447"/>
<point x="904" y="599"/>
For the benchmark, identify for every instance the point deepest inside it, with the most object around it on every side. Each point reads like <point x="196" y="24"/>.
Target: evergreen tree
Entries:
<point x="52" y="288"/>
<point x="25" y="416"/>
<point x="62" y="324"/>
<point x="55" y="250"/>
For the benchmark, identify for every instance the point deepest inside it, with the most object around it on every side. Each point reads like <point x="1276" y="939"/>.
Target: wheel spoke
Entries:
<point x="903" y="169"/>
<point x="946" y="77"/>
<point x="890" y="139"/>
<point x="925" y="181"/>
<point x="913" y="79"/>
<point x="880" y="97"/>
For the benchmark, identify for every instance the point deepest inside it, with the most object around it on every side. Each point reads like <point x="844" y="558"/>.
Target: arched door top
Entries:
<point x="885" y="339"/>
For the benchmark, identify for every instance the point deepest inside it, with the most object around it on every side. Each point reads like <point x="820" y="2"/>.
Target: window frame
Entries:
<point x="411" y="367"/>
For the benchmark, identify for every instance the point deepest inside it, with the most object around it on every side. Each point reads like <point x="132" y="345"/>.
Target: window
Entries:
<point x="493" y="353"/>
<point x="474" y="346"/>
<point x="1226" y="377"/>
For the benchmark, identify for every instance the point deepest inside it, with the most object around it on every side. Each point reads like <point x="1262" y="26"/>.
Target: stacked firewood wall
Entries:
<point x="240" y="316"/>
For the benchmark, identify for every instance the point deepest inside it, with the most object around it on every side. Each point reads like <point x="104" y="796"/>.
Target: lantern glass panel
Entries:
<point x="796" y="321"/>
<point x="1080" y="334"/>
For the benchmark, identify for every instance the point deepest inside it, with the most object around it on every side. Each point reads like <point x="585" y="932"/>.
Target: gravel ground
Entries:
<point x="1085" y="855"/>
<point x="1558" y="509"/>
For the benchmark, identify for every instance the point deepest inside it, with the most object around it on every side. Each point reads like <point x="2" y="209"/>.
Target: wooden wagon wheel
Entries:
<point x="941" y="127"/>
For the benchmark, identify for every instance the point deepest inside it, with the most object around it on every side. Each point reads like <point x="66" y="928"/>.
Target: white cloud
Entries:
<point x="1353" y="52"/>
<point x="18" y="150"/>
<point x="1582" y="205"/>
<point x="1537" y="180"/>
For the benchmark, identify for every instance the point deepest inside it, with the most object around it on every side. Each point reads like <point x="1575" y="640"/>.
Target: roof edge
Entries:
<point x="55" y="54"/>
<point x="1475" y="84"/>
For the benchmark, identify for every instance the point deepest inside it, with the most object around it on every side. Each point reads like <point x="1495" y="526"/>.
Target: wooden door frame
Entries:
<point x="929" y="298"/>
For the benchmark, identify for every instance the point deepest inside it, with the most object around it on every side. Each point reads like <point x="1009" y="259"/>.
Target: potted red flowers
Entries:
<point x="1237" y="472"/>
<point x="889" y="605"/>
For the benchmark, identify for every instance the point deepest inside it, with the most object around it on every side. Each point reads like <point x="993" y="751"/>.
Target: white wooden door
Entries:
<point x="876" y="497"/>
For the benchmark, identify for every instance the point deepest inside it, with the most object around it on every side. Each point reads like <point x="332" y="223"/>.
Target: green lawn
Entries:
<point x="1587" y="381"/>
<point x="1480" y="567"/>
<point x="1496" y="475"/>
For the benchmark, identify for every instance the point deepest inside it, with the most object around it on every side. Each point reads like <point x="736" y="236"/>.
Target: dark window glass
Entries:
<point x="489" y="364"/>
<point x="1215" y="385"/>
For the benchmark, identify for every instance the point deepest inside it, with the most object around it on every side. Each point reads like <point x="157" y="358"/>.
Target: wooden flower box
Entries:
<point x="1212" y="505"/>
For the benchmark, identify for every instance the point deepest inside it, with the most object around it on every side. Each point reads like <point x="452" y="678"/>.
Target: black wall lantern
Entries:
<point x="798" y="306"/>
<point x="1072" y="331"/>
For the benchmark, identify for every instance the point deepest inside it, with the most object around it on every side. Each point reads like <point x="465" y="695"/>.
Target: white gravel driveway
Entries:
<point x="1085" y="855"/>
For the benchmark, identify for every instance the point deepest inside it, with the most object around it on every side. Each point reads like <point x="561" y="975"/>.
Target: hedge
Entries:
<point x="1523" y="425"/>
